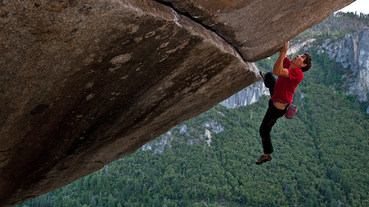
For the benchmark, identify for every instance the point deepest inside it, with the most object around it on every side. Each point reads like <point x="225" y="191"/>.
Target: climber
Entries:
<point x="290" y="74"/>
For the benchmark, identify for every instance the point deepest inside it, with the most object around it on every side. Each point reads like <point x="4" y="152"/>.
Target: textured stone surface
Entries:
<point x="352" y="51"/>
<point x="246" y="96"/>
<point x="258" y="28"/>
<point x="84" y="83"/>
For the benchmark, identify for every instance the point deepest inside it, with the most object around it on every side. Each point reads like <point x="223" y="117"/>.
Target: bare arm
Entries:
<point x="278" y="66"/>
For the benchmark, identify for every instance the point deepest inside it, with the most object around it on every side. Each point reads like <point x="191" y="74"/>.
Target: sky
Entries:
<point x="358" y="6"/>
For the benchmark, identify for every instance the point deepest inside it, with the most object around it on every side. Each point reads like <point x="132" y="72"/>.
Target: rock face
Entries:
<point x="353" y="52"/>
<point x="84" y="83"/>
<point x="246" y="96"/>
<point x="191" y="136"/>
<point x="258" y="28"/>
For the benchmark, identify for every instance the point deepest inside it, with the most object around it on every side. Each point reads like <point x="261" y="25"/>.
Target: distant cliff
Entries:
<point x="246" y="96"/>
<point x="352" y="51"/>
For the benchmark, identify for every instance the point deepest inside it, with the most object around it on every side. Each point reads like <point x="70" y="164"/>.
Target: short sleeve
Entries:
<point x="286" y="62"/>
<point x="296" y="74"/>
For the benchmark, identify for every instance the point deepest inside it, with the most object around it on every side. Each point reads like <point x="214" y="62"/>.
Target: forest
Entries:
<point x="319" y="159"/>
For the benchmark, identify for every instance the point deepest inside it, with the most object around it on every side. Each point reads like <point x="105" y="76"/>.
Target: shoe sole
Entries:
<point x="259" y="163"/>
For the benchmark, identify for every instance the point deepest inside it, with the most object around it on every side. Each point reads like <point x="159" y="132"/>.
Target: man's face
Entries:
<point x="299" y="61"/>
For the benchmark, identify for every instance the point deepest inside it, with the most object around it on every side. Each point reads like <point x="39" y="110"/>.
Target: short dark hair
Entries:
<point x="307" y="61"/>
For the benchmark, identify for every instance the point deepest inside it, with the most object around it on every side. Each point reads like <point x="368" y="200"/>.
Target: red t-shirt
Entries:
<point x="285" y="87"/>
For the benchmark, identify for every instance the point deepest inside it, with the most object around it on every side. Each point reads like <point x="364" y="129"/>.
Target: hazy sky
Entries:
<point x="359" y="6"/>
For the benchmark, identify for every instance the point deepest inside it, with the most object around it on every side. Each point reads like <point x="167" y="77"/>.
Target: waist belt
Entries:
<point x="282" y="101"/>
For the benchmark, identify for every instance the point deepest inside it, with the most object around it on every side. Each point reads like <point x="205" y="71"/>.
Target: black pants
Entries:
<point x="271" y="116"/>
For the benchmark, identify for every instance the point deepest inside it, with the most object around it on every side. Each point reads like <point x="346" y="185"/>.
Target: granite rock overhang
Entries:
<point x="84" y="83"/>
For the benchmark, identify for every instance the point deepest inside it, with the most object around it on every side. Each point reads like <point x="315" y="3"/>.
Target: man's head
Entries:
<point x="303" y="62"/>
<point x="307" y="62"/>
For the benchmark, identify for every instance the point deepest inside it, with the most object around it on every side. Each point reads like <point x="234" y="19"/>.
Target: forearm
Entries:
<point x="278" y="65"/>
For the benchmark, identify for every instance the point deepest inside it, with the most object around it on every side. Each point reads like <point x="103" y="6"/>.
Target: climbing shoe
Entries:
<point x="263" y="158"/>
